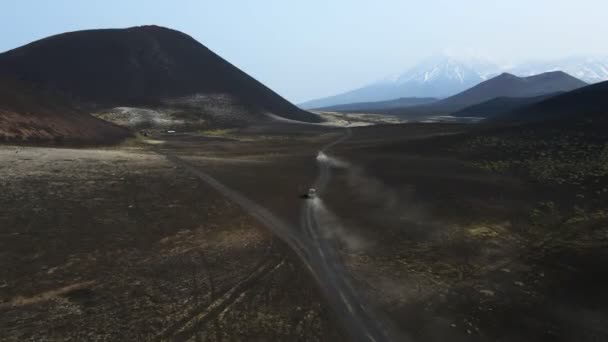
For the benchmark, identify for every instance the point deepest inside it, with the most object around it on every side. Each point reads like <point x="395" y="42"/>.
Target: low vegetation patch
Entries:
<point x="569" y="166"/>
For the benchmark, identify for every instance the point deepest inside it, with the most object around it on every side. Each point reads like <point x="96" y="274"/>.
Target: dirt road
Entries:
<point x="361" y="322"/>
<point x="318" y="253"/>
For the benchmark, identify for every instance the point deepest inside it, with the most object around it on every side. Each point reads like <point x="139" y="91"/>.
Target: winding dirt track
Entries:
<point x="319" y="254"/>
<point x="357" y="317"/>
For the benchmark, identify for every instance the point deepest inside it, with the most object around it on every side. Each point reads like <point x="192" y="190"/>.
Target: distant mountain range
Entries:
<point x="509" y="85"/>
<point x="440" y="76"/>
<point x="519" y="90"/>
<point x="444" y="76"/>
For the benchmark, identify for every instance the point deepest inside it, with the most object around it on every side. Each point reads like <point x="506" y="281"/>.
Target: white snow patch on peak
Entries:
<point x="448" y="68"/>
<point x="470" y="70"/>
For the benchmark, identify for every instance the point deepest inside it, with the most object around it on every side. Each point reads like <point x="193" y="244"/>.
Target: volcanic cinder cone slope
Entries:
<point x="34" y="115"/>
<point x="140" y="66"/>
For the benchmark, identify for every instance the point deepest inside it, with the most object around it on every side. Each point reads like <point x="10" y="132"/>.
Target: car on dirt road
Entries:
<point x="312" y="193"/>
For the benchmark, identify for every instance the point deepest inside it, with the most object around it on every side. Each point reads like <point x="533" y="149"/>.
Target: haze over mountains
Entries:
<point x="509" y="85"/>
<point x="492" y="97"/>
<point x="440" y="76"/>
<point x="444" y="76"/>
<point x="588" y="69"/>
<point x="140" y="66"/>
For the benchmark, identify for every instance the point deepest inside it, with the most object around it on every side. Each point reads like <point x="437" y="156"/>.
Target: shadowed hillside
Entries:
<point x="500" y="105"/>
<point x="29" y="114"/>
<point x="587" y="102"/>
<point x="512" y="86"/>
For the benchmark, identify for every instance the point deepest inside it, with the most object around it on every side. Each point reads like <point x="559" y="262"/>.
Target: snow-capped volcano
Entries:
<point x="443" y="76"/>
<point x="446" y="68"/>
<point x="439" y="76"/>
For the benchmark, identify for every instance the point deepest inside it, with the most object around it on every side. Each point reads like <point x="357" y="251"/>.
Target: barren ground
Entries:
<point x="120" y="244"/>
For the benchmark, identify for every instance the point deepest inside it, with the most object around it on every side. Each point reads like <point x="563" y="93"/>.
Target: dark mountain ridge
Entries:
<point x="503" y="85"/>
<point x="508" y="85"/>
<point x="500" y="105"/>
<point x="590" y="102"/>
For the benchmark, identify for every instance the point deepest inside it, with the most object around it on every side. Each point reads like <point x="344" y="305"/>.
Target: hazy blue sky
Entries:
<point x="312" y="48"/>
